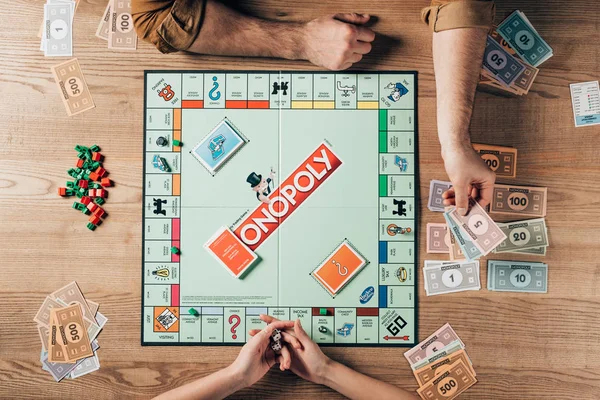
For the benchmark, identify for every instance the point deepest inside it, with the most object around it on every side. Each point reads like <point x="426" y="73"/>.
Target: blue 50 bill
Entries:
<point x="500" y="63"/>
<point x="524" y="39"/>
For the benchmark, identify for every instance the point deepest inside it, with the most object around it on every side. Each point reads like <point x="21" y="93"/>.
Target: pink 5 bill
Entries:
<point x="479" y="227"/>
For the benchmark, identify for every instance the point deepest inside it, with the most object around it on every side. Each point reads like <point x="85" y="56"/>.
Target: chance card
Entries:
<point x="231" y="252"/>
<point x="339" y="268"/>
<point x="218" y="146"/>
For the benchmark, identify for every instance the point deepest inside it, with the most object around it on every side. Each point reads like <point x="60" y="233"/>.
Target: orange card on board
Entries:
<point x="231" y="252"/>
<point x="344" y="263"/>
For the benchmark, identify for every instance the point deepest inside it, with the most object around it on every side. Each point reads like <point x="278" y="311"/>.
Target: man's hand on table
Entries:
<point x="338" y="41"/>
<point x="470" y="177"/>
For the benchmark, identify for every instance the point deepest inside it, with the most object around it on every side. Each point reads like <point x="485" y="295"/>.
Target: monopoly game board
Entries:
<point x="292" y="194"/>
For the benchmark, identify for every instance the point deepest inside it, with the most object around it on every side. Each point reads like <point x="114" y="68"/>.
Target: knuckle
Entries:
<point x="350" y="31"/>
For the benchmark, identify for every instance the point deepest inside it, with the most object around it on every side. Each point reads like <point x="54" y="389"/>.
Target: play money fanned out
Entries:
<point x="467" y="247"/>
<point x="449" y="383"/>
<point x="434" y="343"/>
<point x="478" y="226"/>
<point x="431" y="370"/>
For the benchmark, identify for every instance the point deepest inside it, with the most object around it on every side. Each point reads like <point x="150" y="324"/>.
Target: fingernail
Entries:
<point x="462" y="211"/>
<point x="299" y="323"/>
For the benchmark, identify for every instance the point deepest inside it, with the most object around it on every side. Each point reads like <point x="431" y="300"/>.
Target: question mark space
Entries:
<point x="238" y="320"/>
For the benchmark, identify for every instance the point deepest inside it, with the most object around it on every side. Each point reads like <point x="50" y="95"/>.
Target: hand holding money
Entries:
<point x="470" y="176"/>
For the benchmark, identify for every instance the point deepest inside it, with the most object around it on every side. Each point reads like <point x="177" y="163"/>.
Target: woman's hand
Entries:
<point x="257" y="357"/>
<point x="307" y="359"/>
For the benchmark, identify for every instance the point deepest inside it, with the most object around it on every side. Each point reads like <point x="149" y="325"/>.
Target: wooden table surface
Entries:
<point x="522" y="346"/>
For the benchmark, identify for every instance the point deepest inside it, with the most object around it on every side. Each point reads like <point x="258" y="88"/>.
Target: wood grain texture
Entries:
<point x="522" y="346"/>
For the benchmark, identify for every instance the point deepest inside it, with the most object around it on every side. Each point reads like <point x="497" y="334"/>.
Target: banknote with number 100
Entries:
<point x="121" y="35"/>
<point x="519" y="200"/>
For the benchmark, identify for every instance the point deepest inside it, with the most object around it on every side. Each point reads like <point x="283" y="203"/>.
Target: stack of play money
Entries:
<point x="441" y="365"/>
<point x="68" y="326"/>
<point x="476" y="234"/>
<point x="513" y="51"/>
<point x="441" y="277"/>
<point x="116" y="26"/>
<point x="56" y="32"/>
<point x="517" y="276"/>
<point x="527" y="236"/>
<point x="524" y="39"/>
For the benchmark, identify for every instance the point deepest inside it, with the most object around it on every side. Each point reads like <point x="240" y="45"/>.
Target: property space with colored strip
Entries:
<point x="291" y="194"/>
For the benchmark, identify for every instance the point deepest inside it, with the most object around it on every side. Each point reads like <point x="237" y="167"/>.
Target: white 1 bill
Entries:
<point x="121" y="35"/>
<point x="41" y="35"/>
<point x="58" y="35"/>
<point x="451" y="278"/>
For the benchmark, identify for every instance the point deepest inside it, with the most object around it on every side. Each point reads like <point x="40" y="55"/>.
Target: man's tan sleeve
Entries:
<point x="171" y="25"/>
<point x="443" y="15"/>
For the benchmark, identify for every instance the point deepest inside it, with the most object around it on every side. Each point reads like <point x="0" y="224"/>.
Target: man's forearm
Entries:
<point x="457" y="56"/>
<point x="355" y="385"/>
<point x="227" y="32"/>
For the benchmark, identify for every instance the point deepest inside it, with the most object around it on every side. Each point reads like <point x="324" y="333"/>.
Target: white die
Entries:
<point x="276" y="346"/>
<point x="276" y="335"/>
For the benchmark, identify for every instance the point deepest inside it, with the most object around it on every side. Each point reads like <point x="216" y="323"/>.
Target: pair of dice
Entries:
<point x="276" y="340"/>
